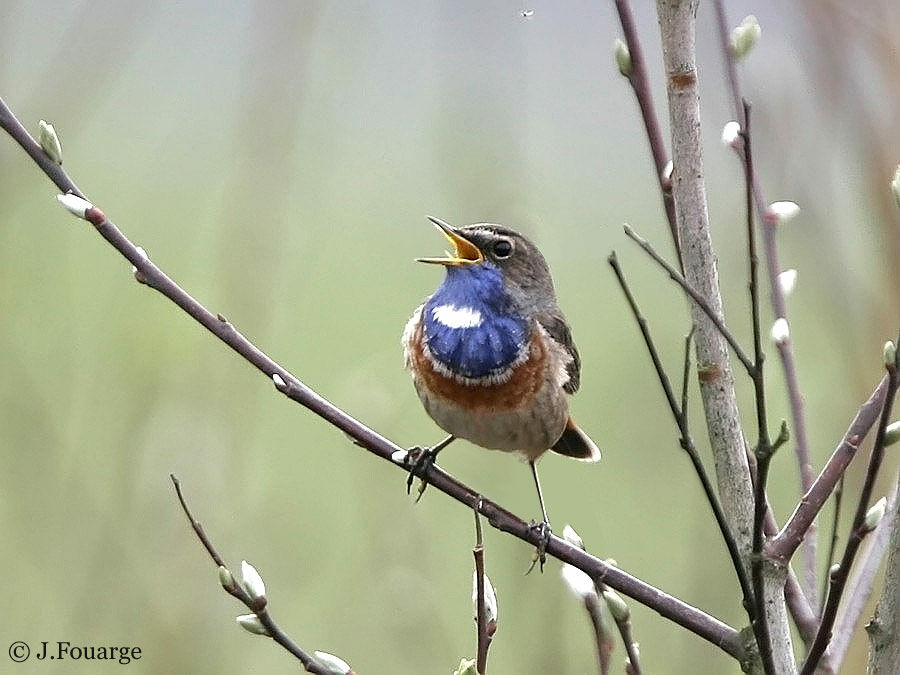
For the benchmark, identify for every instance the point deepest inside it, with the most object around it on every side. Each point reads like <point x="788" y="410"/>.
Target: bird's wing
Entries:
<point x="555" y="324"/>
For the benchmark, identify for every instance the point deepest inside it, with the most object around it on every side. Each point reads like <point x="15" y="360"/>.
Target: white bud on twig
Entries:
<point x="617" y="606"/>
<point x="892" y="433"/>
<point x="623" y="57"/>
<point x="781" y="212"/>
<point x="890" y="354"/>
<point x="50" y="141"/>
<point x="578" y="582"/>
<point x="74" y="204"/>
<point x="491" y="609"/>
<point x="252" y="583"/>
<point x="781" y="331"/>
<point x="399" y="456"/>
<point x="874" y="515"/>
<point x="278" y="380"/>
<point x="251" y="623"/>
<point x="225" y="578"/>
<point x="786" y="281"/>
<point x="731" y="134"/>
<point x="335" y="665"/>
<point x="466" y="667"/>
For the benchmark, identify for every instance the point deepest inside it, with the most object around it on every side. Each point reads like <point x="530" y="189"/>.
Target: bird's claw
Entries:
<point x="418" y="461"/>
<point x="539" y="556"/>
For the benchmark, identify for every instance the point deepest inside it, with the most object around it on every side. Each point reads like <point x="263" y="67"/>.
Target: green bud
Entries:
<point x="745" y="37"/>
<point x="890" y="354"/>
<point x="50" y="141"/>
<point x="617" y="606"/>
<point x="335" y="665"/>
<point x="225" y="578"/>
<point x="875" y="514"/>
<point x="466" y="667"/>
<point x="892" y="433"/>
<point x="252" y="624"/>
<point x="253" y="584"/>
<point x="623" y="57"/>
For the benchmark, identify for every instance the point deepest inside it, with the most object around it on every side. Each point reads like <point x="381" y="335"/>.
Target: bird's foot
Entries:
<point x="540" y="552"/>
<point x="418" y="461"/>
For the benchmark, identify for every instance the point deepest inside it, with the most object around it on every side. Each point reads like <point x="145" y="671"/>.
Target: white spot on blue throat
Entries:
<point x="457" y="317"/>
<point x="471" y="328"/>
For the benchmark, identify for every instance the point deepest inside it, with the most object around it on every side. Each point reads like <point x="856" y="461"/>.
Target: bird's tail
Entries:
<point x="576" y="444"/>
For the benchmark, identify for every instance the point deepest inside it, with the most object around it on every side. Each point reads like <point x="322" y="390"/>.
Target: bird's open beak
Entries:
<point x="464" y="251"/>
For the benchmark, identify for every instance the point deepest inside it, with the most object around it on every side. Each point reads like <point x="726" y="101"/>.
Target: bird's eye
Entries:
<point x="502" y="248"/>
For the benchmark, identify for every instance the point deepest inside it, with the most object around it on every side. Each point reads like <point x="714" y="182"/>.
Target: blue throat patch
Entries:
<point x="469" y="325"/>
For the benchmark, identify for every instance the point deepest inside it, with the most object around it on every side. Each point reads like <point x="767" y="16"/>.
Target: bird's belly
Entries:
<point x="530" y="428"/>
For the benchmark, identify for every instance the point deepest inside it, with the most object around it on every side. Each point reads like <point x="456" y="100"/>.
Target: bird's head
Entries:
<point x="483" y="250"/>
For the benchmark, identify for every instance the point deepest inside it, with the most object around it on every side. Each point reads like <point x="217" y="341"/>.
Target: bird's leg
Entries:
<point x="543" y="528"/>
<point x="419" y="459"/>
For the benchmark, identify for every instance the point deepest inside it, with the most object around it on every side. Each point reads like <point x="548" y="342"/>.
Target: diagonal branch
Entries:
<point x="706" y="626"/>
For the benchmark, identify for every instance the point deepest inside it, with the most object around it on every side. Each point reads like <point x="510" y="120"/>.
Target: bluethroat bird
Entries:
<point x="491" y="354"/>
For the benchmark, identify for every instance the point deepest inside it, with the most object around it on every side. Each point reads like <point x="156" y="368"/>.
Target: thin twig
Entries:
<point x="235" y="590"/>
<point x="764" y="449"/>
<point x="833" y="536"/>
<point x="603" y="638"/>
<point x="639" y="80"/>
<point x="706" y="626"/>
<point x="622" y="616"/>
<point x="779" y="304"/>
<point x="679" y="413"/>
<point x="701" y="302"/>
<point x="485" y="631"/>
<point x="858" y="530"/>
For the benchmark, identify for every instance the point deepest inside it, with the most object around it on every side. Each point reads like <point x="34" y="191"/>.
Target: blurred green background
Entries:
<point x="277" y="160"/>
